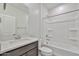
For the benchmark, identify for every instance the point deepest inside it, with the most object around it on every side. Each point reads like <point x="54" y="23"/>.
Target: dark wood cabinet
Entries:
<point x="27" y="50"/>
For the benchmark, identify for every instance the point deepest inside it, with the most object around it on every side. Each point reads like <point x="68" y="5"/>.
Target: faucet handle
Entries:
<point x="49" y="36"/>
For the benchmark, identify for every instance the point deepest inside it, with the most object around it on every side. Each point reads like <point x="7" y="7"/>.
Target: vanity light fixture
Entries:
<point x="4" y="6"/>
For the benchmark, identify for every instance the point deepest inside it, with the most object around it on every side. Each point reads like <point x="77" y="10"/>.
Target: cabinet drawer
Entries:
<point x="21" y="50"/>
<point x="32" y="52"/>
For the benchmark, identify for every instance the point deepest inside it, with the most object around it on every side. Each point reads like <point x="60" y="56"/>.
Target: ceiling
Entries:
<point x="26" y="6"/>
<point x="34" y="5"/>
<point x="20" y="6"/>
<point x="50" y="6"/>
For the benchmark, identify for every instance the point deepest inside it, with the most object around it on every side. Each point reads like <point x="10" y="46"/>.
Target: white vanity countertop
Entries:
<point x="13" y="44"/>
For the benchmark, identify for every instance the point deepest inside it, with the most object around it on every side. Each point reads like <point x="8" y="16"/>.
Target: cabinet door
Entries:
<point x="32" y="52"/>
<point x="21" y="50"/>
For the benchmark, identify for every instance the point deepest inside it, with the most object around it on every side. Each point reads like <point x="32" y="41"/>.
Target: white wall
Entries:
<point x="59" y="10"/>
<point x="44" y="13"/>
<point x="63" y="8"/>
<point x="34" y="20"/>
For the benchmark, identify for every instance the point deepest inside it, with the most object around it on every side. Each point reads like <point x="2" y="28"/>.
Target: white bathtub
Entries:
<point x="60" y="49"/>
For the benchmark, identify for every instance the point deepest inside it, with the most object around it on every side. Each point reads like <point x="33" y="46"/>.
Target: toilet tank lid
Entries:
<point x="46" y="49"/>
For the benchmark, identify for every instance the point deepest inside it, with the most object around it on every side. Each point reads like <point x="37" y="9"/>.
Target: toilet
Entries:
<point x="45" y="51"/>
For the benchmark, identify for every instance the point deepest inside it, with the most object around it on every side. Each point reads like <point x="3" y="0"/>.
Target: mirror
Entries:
<point x="13" y="20"/>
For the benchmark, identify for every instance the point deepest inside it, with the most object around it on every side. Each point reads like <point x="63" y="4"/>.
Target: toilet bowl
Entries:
<point x="45" y="51"/>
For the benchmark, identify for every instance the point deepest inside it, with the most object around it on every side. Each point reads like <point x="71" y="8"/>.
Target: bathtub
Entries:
<point x="61" y="49"/>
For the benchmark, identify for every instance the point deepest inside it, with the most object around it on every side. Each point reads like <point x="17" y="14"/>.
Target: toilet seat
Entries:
<point x="46" y="50"/>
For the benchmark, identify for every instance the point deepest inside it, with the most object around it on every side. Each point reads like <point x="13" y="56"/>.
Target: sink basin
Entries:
<point x="13" y="42"/>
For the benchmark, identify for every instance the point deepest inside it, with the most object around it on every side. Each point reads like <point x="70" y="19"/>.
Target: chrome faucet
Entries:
<point x="48" y="36"/>
<point x="17" y="36"/>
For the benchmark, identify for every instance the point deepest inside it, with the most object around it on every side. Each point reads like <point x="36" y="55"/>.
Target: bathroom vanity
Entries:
<point x="29" y="48"/>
